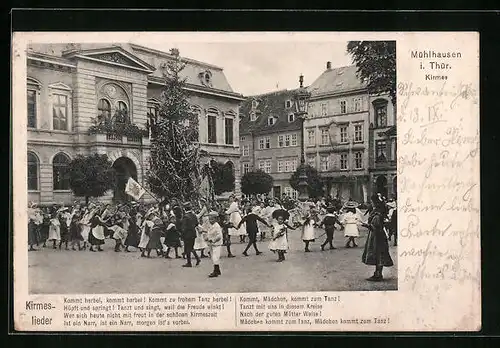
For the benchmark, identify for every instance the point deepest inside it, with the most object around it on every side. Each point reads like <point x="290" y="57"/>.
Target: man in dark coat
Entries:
<point x="252" y="229"/>
<point x="189" y="224"/>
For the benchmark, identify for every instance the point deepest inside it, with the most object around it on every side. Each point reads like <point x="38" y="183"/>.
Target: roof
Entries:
<point x="336" y="80"/>
<point x="194" y="70"/>
<point x="269" y="104"/>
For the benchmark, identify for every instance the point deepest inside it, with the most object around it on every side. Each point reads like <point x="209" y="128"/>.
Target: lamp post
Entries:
<point x="301" y="97"/>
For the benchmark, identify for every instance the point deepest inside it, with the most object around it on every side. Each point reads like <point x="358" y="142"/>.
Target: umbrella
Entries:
<point x="281" y="212"/>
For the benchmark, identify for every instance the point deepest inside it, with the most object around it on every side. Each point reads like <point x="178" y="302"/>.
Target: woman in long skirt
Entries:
<point x="65" y="220"/>
<point x="132" y="239"/>
<point x="32" y="232"/>
<point x="75" y="232"/>
<point x="376" y="252"/>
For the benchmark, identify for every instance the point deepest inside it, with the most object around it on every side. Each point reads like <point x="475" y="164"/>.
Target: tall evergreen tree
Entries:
<point x="175" y="152"/>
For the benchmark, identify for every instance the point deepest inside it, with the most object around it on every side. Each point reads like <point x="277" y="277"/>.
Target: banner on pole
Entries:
<point x="134" y="189"/>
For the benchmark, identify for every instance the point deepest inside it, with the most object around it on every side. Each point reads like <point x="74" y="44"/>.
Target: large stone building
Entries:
<point x="336" y="132"/>
<point x="270" y="138"/>
<point x="69" y="86"/>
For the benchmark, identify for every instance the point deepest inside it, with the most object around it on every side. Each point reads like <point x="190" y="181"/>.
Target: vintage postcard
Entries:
<point x="226" y="181"/>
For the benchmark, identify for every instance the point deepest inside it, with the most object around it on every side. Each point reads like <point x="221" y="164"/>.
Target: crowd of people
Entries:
<point x="202" y="230"/>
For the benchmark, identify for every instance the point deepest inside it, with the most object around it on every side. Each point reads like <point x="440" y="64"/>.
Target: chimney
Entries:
<point x="328" y="65"/>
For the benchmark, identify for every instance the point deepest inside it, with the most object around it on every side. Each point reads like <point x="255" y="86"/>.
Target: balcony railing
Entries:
<point x="114" y="137"/>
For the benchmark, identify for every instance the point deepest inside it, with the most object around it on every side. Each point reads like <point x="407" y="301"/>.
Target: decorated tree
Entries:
<point x="223" y="177"/>
<point x="91" y="176"/>
<point x="314" y="183"/>
<point x="175" y="152"/>
<point x="376" y="63"/>
<point x="256" y="182"/>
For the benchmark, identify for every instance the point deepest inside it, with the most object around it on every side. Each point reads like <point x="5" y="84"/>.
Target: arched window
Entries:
<point x="60" y="170"/>
<point x="104" y="109"/>
<point x="32" y="172"/>
<point x="121" y="112"/>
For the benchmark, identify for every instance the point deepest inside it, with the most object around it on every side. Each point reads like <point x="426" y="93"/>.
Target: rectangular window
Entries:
<point x="358" y="160"/>
<point x="323" y="110"/>
<point x="325" y="137"/>
<point x="212" y="129"/>
<point x="31" y="109"/>
<point x="261" y="143"/>
<point x="228" y="126"/>
<point x="343" y="109"/>
<point x="262" y="165"/>
<point x="381" y="115"/>
<point x="311" y="137"/>
<point x="358" y="133"/>
<point x="294" y="165"/>
<point x="253" y="116"/>
<point x="267" y="142"/>
<point x="152" y="111"/>
<point x="288" y="166"/>
<point x="246" y="150"/>
<point x="287" y="140"/>
<point x="291" y="118"/>
<point x="246" y="168"/>
<point x="267" y="168"/>
<point x="294" y="194"/>
<point x="281" y="141"/>
<point x="357" y="104"/>
<point x="343" y="161"/>
<point x="294" y="139"/>
<point x="323" y="163"/>
<point x="381" y="150"/>
<point x="280" y="166"/>
<point x="60" y="112"/>
<point x="288" y="104"/>
<point x="343" y="134"/>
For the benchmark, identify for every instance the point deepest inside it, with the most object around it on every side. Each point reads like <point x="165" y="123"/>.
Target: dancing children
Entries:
<point x="279" y="242"/>
<point x="54" y="230"/>
<point x="329" y="222"/>
<point x="189" y="225"/>
<point x="75" y="231"/>
<point x="308" y="228"/>
<point x="251" y="220"/>
<point x="172" y="238"/>
<point x="156" y="230"/>
<point x="350" y="221"/>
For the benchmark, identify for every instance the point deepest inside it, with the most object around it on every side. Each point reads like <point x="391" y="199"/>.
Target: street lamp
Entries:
<point x="301" y="98"/>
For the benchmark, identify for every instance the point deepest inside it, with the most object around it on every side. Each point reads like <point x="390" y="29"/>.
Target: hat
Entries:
<point x="281" y="212"/>
<point x="351" y="205"/>
<point x="213" y="214"/>
<point x="187" y="205"/>
<point x="32" y="205"/>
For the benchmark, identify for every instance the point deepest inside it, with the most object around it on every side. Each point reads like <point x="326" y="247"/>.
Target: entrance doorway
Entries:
<point x="381" y="185"/>
<point x="125" y="168"/>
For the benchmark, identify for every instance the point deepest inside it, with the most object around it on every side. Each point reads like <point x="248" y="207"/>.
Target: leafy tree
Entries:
<point x="91" y="176"/>
<point x="223" y="177"/>
<point x="175" y="152"/>
<point x="314" y="183"/>
<point x="256" y="182"/>
<point x="376" y="63"/>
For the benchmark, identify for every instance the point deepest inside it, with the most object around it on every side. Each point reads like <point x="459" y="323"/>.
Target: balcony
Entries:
<point x="119" y="139"/>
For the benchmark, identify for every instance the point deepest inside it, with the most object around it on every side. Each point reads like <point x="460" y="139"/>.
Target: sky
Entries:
<point x="261" y="67"/>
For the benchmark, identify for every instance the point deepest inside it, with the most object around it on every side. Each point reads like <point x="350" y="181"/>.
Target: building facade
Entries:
<point x="337" y="132"/>
<point x="383" y="146"/>
<point x="71" y="86"/>
<point x="270" y="138"/>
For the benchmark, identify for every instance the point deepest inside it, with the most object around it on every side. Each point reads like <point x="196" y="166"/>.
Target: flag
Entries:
<point x="134" y="189"/>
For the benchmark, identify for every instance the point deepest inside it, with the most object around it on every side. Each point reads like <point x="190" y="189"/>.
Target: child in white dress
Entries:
<point x="350" y="221"/>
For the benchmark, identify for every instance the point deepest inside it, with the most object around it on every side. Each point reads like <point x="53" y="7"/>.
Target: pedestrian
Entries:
<point x="234" y="216"/>
<point x="226" y="238"/>
<point x="54" y="230"/>
<point x="350" y="220"/>
<point x="32" y="228"/>
<point x="146" y="225"/>
<point x="279" y="242"/>
<point x="97" y="230"/>
<point x="376" y="252"/>
<point x="213" y="236"/>
<point x="65" y="221"/>
<point x="132" y="239"/>
<point x="189" y="225"/>
<point x="250" y="220"/>
<point x="329" y="221"/>
<point x="120" y="231"/>
<point x="309" y="227"/>
<point x="156" y="231"/>
<point x="172" y="238"/>
<point x="75" y="234"/>
<point x="45" y="226"/>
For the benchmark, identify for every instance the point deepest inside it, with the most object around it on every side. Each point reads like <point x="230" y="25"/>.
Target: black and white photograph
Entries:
<point x="217" y="167"/>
